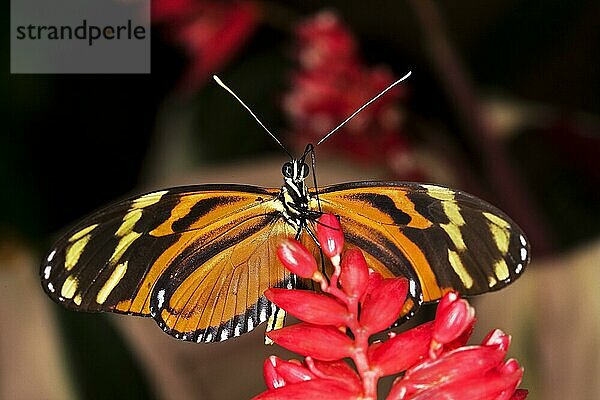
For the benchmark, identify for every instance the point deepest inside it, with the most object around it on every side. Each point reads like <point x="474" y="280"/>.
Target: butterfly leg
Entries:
<point x="311" y="233"/>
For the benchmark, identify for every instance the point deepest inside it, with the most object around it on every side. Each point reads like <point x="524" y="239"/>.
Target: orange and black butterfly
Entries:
<point x="198" y="259"/>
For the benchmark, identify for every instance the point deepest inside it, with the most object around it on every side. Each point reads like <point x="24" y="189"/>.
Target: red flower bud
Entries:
<point x="296" y="258"/>
<point x="383" y="303"/>
<point x="497" y="384"/>
<point x="309" y="306"/>
<point x="460" y="341"/>
<point x="322" y="389"/>
<point x="279" y="373"/>
<point x="465" y="374"/>
<point x="355" y="273"/>
<point x="330" y="235"/>
<point x="497" y="338"/>
<point x="461" y="363"/>
<point x="510" y="377"/>
<point x="321" y="342"/>
<point x="453" y="317"/>
<point x="374" y="280"/>
<point x="493" y="385"/>
<point x="402" y="350"/>
<point x="338" y="370"/>
<point x="272" y="377"/>
<point x="446" y="300"/>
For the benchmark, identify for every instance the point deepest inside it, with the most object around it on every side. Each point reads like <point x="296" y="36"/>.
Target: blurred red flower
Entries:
<point x="331" y="83"/>
<point x="356" y="303"/>
<point x="210" y="32"/>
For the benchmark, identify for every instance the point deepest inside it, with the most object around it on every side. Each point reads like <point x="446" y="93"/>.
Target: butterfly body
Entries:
<point x="295" y="200"/>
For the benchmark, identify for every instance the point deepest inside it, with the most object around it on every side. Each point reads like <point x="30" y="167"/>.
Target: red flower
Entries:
<point x="325" y="343"/>
<point x="278" y="372"/>
<point x="454" y="317"/>
<point x="382" y="304"/>
<point x="210" y="32"/>
<point x="312" y="307"/>
<point x="339" y="322"/>
<point x="329" y="233"/>
<point x="297" y="258"/>
<point x="331" y="83"/>
<point x="402" y="350"/>
<point x="354" y="273"/>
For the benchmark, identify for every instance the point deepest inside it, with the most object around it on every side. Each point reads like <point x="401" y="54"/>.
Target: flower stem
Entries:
<point x="367" y="374"/>
<point x="360" y="357"/>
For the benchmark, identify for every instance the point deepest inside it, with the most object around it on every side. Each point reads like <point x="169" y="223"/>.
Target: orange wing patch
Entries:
<point x="223" y="296"/>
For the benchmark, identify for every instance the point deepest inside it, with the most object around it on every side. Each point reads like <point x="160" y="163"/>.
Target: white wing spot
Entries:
<point x="224" y="335"/>
<point x="523" y="254"/>
<point x="199" y="339"/>
<point x="413" y="288"/>
<point x="47" y="271"/>
<point x="161" y="297"/>
<point x="51" y="256"/>
<point x="51" y="287"/>
<point x="250" y="324"/>
<point x="523" y="241"/>
<point x="208" y="337"/>
<point x="519" y="268"/>
<point x="263" y="315"/>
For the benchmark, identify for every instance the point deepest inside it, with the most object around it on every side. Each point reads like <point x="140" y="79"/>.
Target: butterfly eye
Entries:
<point x="287" y="170"/>
<point x="304" y="170"/>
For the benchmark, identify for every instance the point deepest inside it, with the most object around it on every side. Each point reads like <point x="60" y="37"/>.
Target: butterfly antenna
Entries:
<point x="224" y="86"/>
<point x="363" y="107"/>
<point x="310" y="149"/>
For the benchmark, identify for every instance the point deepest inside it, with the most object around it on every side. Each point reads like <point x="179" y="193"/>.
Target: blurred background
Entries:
<point x="503" y="102"/>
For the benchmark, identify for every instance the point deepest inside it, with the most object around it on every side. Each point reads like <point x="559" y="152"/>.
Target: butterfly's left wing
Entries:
<point x="439" y="238"/>
<point x="197" y="259"/>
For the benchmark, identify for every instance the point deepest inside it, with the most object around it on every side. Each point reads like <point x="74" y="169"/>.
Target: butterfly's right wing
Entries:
<point x="438" y="238"/>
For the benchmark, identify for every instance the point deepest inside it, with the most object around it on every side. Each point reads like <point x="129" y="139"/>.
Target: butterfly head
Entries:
<point x="296" y="170"/>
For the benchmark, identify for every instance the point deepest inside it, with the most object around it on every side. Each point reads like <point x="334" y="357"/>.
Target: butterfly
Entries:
<point x="198" y="258"/>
